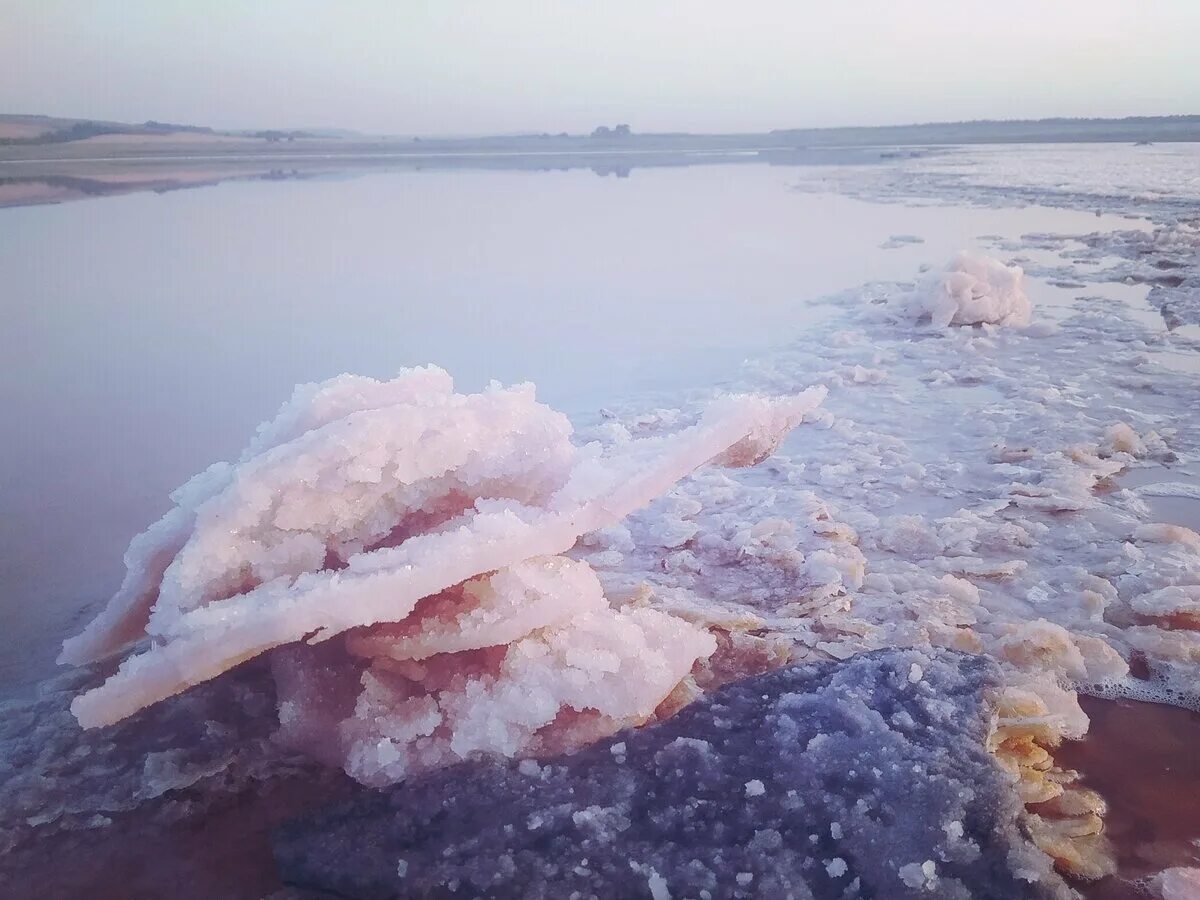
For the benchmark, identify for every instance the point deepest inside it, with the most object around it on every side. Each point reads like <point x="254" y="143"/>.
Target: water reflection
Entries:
<point x="30" y="182"/>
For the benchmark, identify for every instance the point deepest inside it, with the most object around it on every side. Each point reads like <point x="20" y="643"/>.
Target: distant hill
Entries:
<point x="15" y="129"/>
<point x="27" y="135"/>
<point x="41" y="130"/>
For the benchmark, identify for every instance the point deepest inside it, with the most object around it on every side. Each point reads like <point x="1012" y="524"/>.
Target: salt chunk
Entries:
<point x="755" y="788"/>
<point x="816" y="742"/>
<point x="658" y="886"/>
<point x="919" y="875"/>
<point x="1121" y="438"/>
<point x="971" y="290"/>
<point x="294" y="543"/>
<point x="913" y="875"/>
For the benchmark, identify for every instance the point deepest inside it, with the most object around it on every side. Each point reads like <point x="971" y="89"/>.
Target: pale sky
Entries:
<point x="501" y="66"/>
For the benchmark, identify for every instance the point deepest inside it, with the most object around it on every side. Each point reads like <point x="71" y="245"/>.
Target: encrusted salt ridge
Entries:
<point x="1160" y="185"/>
<point x="151" y="553"/>
<point x="430" y="524"/>
<point x="1159" y="182"/>
<point x="869" y="777"/>
<point x="960" y="493"/>
<point x="1165" y="257"/>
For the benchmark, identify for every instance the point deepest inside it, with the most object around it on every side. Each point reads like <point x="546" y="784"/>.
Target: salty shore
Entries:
<point x="1004" y="466"/>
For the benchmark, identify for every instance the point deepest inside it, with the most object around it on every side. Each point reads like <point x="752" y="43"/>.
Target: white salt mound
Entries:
<point x="970" y="290"/>
<point x="427" y="524"/>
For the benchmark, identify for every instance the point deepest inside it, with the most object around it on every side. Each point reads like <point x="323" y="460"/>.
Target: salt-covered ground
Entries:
<point x="1161" y="179"/>
<point x="822" y="781"/>
<point x="985" y="475"/>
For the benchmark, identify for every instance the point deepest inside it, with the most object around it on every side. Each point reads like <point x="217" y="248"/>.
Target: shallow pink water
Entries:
<point x="1143" y="758"/>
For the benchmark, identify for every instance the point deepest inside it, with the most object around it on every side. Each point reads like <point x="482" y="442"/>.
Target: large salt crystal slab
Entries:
<point x="362" y="498"/>
<point x="1177" y="599"/>
<point x="970" y="290"/>
<point x="797" y="783"/>
<point x="311" y="407"/>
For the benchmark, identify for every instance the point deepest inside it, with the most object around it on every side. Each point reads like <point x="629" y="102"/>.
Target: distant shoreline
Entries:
<point x="88" y="141"/>
<point x="37" y="181"/>
<point x="111" y="164"/>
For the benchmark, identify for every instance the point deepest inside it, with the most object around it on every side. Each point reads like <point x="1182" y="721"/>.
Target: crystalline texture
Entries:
<point x="428" y="525"/>
<point x="971" y="290"/>
<point x="734" y="796"/>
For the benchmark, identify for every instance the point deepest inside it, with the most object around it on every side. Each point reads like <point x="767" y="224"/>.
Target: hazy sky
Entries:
<point x="495" y="66"/>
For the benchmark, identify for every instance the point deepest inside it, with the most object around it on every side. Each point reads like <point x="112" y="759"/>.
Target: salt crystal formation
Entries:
<point x="971" y="290"/>
<point x="971" y="477"/>
<point x="1164" y="258"/>
<point x="426" y="526"/>
<point x="818" y="781"/>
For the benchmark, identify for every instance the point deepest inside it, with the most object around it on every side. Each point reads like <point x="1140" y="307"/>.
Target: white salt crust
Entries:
<point x="427" y="524"/>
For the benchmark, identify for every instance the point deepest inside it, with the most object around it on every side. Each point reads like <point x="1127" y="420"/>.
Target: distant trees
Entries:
<point x="84" y="129"/>
<point x="273" y="136"/>
<point x="77" y="131"/>
<point x="154" y="127"/>
<point x="620" y="131"/>
<point x="81" y="130"/>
